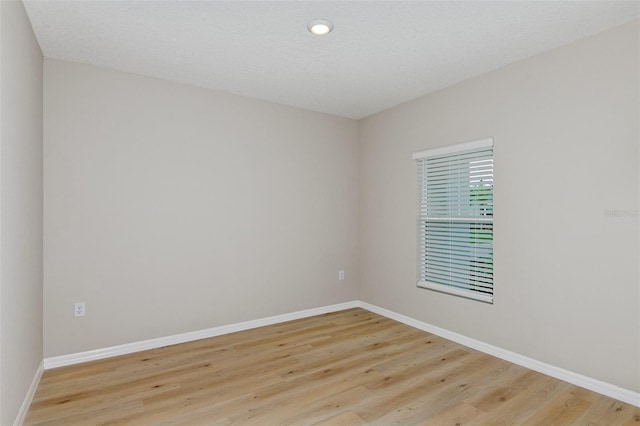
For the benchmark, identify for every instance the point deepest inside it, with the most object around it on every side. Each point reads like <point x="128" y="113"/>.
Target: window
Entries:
<point x="455" y="219"/>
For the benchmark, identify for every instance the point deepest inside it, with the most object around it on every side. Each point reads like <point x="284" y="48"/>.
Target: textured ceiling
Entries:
<point x="380" y="53"/>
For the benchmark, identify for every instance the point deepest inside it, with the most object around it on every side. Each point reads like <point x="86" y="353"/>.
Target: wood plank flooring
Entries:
<point x="345" y="368"/>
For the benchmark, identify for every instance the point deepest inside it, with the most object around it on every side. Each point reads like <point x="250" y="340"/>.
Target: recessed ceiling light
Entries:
<point x="319" y="26"/>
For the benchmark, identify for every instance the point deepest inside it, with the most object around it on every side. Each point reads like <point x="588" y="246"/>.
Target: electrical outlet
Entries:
<point x="341" y="275"/>
<point x="78" y="309"/>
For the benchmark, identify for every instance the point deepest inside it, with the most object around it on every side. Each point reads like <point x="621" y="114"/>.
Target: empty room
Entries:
<point x="319" y="212"/>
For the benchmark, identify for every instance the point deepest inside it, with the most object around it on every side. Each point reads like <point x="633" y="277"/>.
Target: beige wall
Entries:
<point x="21" y="208"/>
<point x="171" y="208"/>
<point x="565" y="125"/>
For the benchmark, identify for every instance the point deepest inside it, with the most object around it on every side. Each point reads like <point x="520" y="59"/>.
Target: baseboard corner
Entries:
<point x="28" y="398"/>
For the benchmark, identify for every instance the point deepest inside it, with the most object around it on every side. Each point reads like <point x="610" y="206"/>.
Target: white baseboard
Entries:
<point x="92" y="355"/>
<point x="26" y="403"/>
<point x="613" y="391"/>
<point x="598" y="386"/>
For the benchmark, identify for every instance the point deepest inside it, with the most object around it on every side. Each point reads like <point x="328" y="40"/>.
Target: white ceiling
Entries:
<point x="380" y="53"/>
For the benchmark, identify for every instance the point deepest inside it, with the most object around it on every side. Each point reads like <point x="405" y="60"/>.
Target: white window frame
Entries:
<point x="439" y="223"/>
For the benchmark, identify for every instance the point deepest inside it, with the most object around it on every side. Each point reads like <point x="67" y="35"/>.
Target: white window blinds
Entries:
<point x="455" y="219"/>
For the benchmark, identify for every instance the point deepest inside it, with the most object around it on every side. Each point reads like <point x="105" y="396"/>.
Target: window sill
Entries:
<point x="456" y="291"/>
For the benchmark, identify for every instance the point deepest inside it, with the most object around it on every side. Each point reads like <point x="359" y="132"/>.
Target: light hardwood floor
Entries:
<point x="345" y="368"/>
